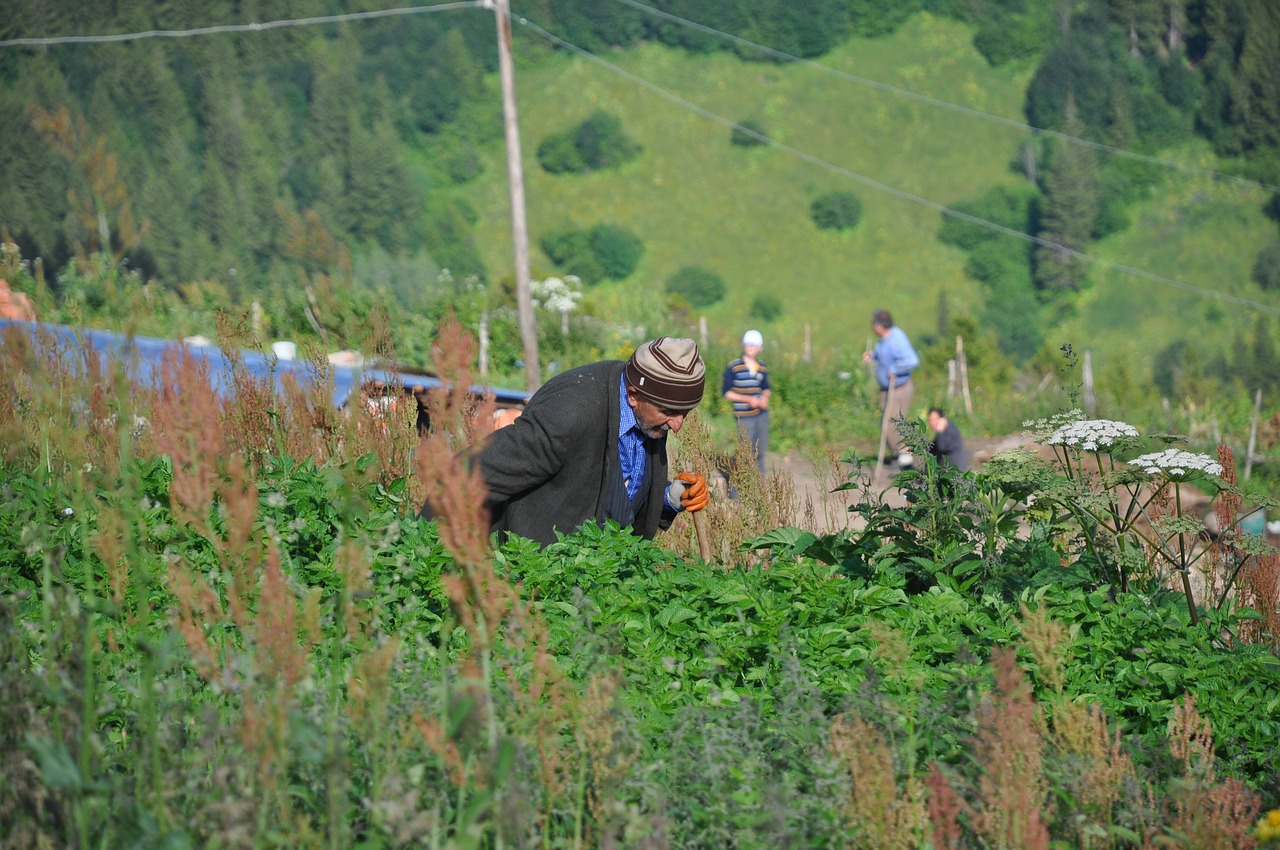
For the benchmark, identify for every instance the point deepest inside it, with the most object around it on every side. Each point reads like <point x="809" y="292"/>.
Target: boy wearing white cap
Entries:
<point x="746" y="385"/>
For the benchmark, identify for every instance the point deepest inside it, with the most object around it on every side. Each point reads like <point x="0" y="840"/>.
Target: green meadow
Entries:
<point x="696" y="199"/>
<point x="1193" y="230"/>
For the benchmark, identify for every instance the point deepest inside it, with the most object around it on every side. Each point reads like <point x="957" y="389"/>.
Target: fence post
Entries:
<point x="964" y="375"/>
<point x="1253" y="434"/>
<point x="1090" y="398"/>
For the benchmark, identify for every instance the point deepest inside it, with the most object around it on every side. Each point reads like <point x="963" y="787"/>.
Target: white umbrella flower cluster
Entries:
<point x="1177" y="463"/>
<point x="556" y="295"/>
<point x="1092" y="434"/>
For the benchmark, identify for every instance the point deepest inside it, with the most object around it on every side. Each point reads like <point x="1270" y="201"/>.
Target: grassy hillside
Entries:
<point x="1193" y="230"/>
<point x="696" y="199"/>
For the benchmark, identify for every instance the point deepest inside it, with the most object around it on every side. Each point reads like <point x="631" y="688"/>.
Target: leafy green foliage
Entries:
<point x="747" y="134"/>
<point x="1266" y="268"/>
<point x="617" y="249"/>
<point x="1004" y="205"/>
<point x="880" y="17"/>
<point x="558" y="154"/>
<point x="732" y="674"/>
<point x="836" y="211"/>
<point x="1011" y="30"/>
<point x="599" y="142"/>
<point x="1001" y="262"/>
<point x="1068" y="212"/>
<point x="700" y="287"/>
<point x="766" y="307"/>
<point x="604" y="251"/>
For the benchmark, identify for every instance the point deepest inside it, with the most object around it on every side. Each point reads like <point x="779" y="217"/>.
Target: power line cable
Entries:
<point x="944" y="104"/>
<point x="224" y="28"/>
<point x="891" y="190"/>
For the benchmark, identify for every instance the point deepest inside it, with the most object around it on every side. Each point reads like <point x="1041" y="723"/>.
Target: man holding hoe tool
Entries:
<point x="895" y="360"/>
<point x="592" y="446"/>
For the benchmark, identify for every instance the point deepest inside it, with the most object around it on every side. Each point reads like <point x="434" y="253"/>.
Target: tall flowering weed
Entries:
<point x="1132" y="515"/>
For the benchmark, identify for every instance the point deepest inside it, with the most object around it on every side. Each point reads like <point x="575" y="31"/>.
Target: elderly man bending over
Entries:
<point x="591" y="446"/>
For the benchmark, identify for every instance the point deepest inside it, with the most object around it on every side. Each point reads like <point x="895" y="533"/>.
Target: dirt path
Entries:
<point x="823" y="511"/>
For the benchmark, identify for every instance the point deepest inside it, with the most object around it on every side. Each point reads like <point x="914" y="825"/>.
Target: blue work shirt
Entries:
<point x="894" y="356"/>
<point x="631" y="452"/>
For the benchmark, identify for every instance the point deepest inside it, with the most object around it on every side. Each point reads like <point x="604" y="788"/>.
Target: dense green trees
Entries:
<point x="1002" y="262"/>
<point x="371" y="126"/>
<point x="211" y="133"/>
<point x="1068" y="212"/>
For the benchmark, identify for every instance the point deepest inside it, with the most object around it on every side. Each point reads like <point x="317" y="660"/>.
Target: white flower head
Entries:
<point x="1092" y="434"/>
<point x="1040" y="429"/>
<point x="1177" y="464"/>
<point x="559" y="296"/>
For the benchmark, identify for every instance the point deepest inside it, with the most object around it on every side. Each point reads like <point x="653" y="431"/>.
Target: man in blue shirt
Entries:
<point x="895" y="360"/>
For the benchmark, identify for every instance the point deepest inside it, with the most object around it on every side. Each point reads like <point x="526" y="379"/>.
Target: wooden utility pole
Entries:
<point x="515" y="181"/>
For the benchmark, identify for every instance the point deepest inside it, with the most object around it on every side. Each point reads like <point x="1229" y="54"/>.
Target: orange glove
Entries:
<point x="696" y="495"/>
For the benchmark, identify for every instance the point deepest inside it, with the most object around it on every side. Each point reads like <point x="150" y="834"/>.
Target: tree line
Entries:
<point x="194" y="160"/>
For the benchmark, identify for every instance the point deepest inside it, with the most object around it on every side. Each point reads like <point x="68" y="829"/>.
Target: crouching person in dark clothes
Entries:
<point x="591" y="446"/>
<point x="948" y="443"/>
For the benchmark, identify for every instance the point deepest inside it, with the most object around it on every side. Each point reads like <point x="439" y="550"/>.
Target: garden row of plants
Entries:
<point x="223" y="625"/>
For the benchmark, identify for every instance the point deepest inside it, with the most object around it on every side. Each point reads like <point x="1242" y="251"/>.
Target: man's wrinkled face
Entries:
<point x="654" y="421"/>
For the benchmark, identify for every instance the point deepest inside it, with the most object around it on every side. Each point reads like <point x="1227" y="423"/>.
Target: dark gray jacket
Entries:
<point x="552" y="469"/>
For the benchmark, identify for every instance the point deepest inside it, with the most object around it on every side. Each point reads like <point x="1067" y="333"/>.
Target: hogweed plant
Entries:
<point x="1134" y="517"/>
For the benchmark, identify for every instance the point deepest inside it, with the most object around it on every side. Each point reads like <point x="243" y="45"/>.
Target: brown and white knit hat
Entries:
<point x="669" y="372"/>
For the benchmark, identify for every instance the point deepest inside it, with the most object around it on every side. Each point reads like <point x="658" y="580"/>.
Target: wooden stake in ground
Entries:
<point x="963" y="362"/>
<point x="704" y="542"/>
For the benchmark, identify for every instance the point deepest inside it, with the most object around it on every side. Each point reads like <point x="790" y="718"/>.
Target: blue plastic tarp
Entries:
<point x="141" y="356"/>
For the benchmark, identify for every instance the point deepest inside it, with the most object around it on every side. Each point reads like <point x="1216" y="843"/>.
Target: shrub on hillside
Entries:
<point x="599" y="142"/>
<point x="700" y="287"/>
<point x="617" y="249"/>
<point x="766" y="307"/>
<point x="836" y="211"/>
<point x="871" y="18"/>
<point x="603" y="143"/>
<point x="571" y="251"/>
<point x="604" y="251"/>
<point x="1272" y="207"/>
<point x="1003" y="205"/>
<point x="747" y="134"/>
<point x="1266" y="268"/>
<point x="557" y="154"/>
